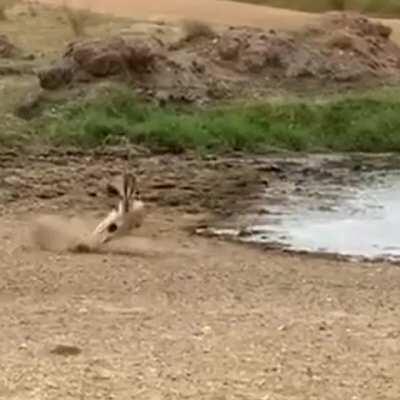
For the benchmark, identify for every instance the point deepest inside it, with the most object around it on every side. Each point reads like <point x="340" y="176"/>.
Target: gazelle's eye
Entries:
<point x="112" y="228"/>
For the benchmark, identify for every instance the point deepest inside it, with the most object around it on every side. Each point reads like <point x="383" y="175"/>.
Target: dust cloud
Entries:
<point x="61" y="234"/>
<point x="57" y="233"/>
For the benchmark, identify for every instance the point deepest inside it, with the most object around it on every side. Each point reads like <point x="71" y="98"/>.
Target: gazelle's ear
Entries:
<point x="123" y="186"/>
<point x="128" y="189"/>
<point x="128" y="184"/>
<point x="115" y="187"/>
<point x="112" y="190"/>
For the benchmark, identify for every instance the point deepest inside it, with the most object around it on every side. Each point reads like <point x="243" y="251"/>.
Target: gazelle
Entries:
<point x="128" y="215"/>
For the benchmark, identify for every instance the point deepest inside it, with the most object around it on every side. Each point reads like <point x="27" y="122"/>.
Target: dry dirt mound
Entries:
<point x="355" y="47"/>
<point x="342" y="48"/>
<point x="85" y="60"/>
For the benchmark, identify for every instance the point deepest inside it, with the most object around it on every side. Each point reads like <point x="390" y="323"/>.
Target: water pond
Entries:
<point x="357" y="215"/>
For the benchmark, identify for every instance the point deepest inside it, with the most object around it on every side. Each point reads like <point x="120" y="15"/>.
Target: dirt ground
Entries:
<point x="165" y="314"/>
<point x="223" y="12"/>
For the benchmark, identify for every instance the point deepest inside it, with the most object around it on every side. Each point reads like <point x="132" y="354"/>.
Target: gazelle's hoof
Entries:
<point x="81" y="248"/>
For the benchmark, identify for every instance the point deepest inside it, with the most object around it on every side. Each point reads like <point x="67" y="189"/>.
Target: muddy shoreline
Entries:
<point x="317" y="186"/>
<point x="215" y="190"/>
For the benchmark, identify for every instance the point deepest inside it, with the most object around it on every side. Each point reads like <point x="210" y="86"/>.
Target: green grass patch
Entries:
<point x="377" y="7"/>
<point x="355" y="123"/>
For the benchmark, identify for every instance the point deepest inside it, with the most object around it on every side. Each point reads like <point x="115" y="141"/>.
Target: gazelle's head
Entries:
<point x="128" y="215"/>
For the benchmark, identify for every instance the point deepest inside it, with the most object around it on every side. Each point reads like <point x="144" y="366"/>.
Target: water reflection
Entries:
<point x="354" y="221"/>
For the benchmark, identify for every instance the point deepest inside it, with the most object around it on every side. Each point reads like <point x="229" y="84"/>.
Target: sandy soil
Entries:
<point x="168" y="315"/>
<point x="220" y="11"/>
<point x="215" y="11"/>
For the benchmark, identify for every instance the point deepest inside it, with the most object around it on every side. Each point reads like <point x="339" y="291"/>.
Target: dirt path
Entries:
<point x="169" y="315"/>
<point x="215" y="11"/>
